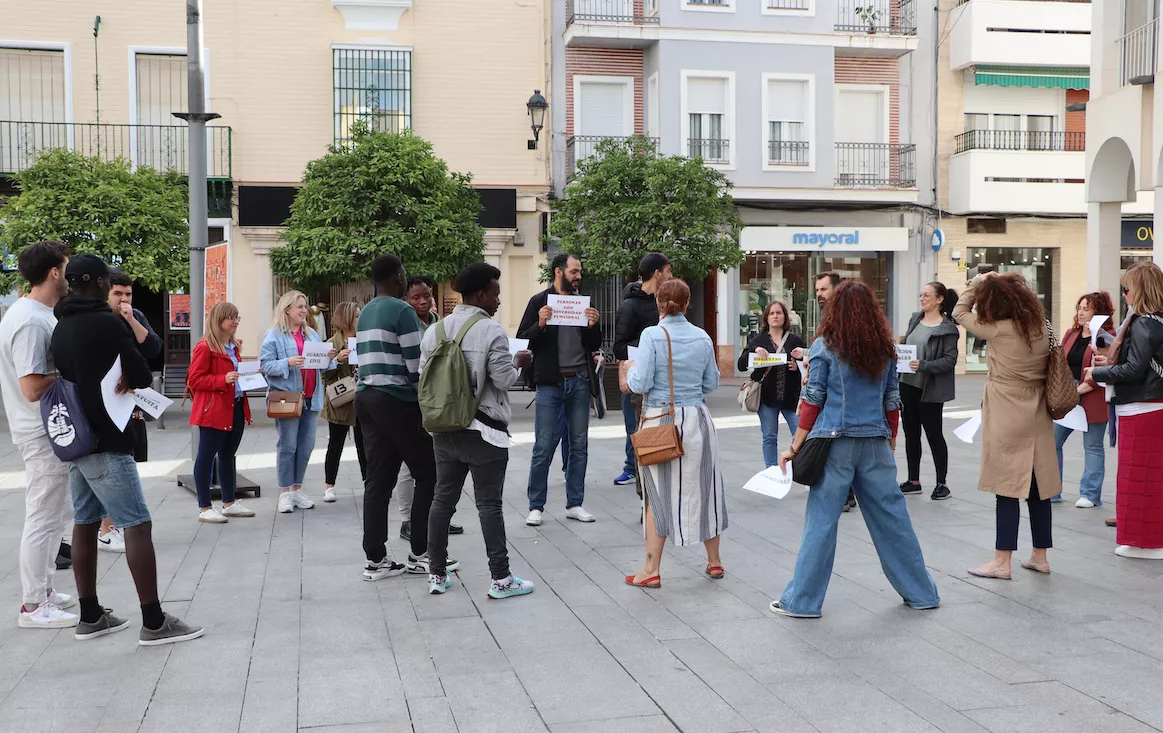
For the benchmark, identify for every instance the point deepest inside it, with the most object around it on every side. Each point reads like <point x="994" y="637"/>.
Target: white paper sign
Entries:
<point x="353" y="357"/>
<point x="315" y="354"/>
<point x="904" y="354"/>
<point x="119" y="407"/>
<point x="770" y="482"/>
<point x="151" y="401"/>
<point x="569" y="310"/>
<point x="516" y="345"/>
<point x="251" y="381"/>
<point x="248" y="367"/>
<point x="1096" y="329"/>
<point x="632" y="354"/>
<point x="754" y="362"/>
<point x="1075" y="420"/>
<point x="969" y="428"/>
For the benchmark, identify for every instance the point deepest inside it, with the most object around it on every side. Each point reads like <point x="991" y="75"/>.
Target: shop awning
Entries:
<point x="1029" y="76"/>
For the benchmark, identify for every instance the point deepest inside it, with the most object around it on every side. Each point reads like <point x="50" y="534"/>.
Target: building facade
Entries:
<point x="289" y="79"/>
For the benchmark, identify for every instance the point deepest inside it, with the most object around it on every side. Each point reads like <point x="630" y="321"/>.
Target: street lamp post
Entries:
<point x="537" y="107"/>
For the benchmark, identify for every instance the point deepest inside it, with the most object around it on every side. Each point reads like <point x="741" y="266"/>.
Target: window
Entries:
<point x="787" y="122"/>
<point x="707" y="136"/>
<point x="604" y="108"/>
<point x="975" y="122"/>
<point x="160" y="89"/>
<point x="1040" y="132"/>
<point x="372" y="86"/>
<point x="32" y="85"/>
<point x="986" y="226"/>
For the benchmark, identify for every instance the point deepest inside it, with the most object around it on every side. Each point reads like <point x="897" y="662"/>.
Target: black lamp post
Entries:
<point x="537" y="106"/>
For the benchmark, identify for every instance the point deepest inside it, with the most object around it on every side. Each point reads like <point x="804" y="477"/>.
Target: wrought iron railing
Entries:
<point x="788" y="152"/>
<point x="1020" y="140"/>
<point x="158" y="146"/>
<point x="639" y="12"/>
<point x="788" y="4"/>
<point x="1139" y="54"/>
<point x="711" y="150"/>
<point x="876" y="165"/>
<point x="869" y="17"/>
<point x="580" y="147"/>
<point x="963" y="2"/>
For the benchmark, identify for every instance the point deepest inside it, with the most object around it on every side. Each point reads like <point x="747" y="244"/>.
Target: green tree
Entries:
<point x="136" y="219"/>
<point x="629" y="200"/>
<point x="383" y="193"/>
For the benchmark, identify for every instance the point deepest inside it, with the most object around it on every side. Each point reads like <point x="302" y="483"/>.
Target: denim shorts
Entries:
<point x="107" y="484"/>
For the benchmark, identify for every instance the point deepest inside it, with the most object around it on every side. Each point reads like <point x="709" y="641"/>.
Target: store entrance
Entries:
<point x="1035" y="264"/>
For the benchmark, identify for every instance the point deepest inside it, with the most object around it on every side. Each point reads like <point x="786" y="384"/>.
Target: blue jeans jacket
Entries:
<point x="852" y="405"/>
<point x="695" y="371"/>
<point x="277" y="348"/>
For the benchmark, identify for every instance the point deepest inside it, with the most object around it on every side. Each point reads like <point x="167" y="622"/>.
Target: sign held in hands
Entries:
<point x="904" y="354"/>
<point x="569" y="310"/>
<point x="253" y="380"/>
<point x="119" y="407"/>
<point x="315" y="354"/>
<point x="754" y="362"/>
<point x="151" y="401"/>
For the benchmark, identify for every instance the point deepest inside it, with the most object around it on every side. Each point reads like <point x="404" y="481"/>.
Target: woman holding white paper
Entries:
<point x="341" y="419"/>
<point x="220" y="411"/>
<point x="779" y="385"/>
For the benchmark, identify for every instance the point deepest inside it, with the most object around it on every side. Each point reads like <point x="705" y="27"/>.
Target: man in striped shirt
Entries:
<point x="387" y="407"/>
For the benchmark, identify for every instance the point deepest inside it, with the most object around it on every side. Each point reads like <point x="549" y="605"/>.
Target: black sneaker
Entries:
<point x="405" y="530"/>
<point x="455" y="529"/>
<point x="941" y="492"/>
<point x="64" y="557"/>
<point x="908" y="487"/>
<point x="107" y="624"/>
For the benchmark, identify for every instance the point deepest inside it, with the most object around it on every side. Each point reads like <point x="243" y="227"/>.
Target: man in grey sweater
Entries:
<point x="483" y="447"/>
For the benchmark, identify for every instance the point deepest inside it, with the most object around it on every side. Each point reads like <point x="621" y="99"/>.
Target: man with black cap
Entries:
<point x="86" y="344"/>
<point x="638" y="312"/>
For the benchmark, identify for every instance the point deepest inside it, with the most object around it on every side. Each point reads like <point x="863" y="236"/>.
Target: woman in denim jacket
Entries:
<point x="282" y="365"/>
<point x="852" y="398"/>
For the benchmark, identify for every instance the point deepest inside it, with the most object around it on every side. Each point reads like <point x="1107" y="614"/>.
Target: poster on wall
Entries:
<point x="217" y="276"/>
<point x="179" y="312"/>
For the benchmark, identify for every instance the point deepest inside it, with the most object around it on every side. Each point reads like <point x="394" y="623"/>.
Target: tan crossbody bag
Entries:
<point x="660" y="443"/>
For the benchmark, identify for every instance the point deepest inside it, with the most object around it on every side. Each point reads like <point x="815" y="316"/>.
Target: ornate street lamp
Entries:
<point x="537" y="106"/>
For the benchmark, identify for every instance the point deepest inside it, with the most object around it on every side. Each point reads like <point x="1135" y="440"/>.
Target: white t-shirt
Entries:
<point x="25" y="348"/>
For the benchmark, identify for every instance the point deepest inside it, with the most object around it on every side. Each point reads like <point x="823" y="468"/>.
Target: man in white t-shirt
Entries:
<point x="26" y="373"/>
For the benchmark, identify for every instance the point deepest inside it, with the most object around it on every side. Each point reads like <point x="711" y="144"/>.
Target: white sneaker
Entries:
<point x="211" y="516"/>
<point x="236" y="510"/>
<point x="302" y="501"/>
<point x="534" y="518"/>
<point x="579" y="513"/>
<point x="287" y="502"/>
<point x="61" y="600"/>
<point x="114" y="541"/>
<point x="420" y="565"/>
<point x="329" y="496"/>
<point x="1084" y="503"/>
<point x="386" y="568"/>
<point x="1140" y="553"/>
<point x="47" y="616"/>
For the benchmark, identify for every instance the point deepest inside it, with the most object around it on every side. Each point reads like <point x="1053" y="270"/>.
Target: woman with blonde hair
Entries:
<point x="685" y="497"/>
<point x="220" y="411"/>
<point x="282" y="365"/>
<point x="1135" y="368"/>
<point x="342" y="418"/>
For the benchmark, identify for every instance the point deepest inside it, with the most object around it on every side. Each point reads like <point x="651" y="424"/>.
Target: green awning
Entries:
<point x="1029" y="76"/>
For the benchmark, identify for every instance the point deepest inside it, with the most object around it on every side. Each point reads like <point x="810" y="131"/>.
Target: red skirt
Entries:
<point x="1139" y="504"/>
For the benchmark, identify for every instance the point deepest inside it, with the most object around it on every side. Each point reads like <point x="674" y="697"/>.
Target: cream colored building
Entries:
<point x="288" y="78"/>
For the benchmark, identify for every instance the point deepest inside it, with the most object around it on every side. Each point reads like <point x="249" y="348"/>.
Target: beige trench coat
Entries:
<point x="1017" y="433"/>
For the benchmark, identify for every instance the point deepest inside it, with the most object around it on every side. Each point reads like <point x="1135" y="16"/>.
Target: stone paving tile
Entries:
<point x="645" y="724"/>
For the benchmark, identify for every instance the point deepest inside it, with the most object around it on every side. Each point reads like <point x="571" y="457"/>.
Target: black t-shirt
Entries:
<point x="1076" y="356"/>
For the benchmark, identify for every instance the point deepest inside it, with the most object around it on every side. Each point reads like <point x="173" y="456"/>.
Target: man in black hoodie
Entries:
<point x="86" y="344"/>
<point x="637" y="312"/>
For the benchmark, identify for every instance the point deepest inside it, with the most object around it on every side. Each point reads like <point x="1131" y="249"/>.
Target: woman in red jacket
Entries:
<point x="220" y="411"/>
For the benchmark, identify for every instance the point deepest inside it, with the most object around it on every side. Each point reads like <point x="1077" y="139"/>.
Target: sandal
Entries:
<point x="651" y="582"/>
<point x="715" y="572"/>
<point x="998" y="574"/>
<point x="1038" y="567"/>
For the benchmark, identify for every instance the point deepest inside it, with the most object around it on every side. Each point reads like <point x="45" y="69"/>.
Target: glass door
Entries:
<point x="1035" y="264"/>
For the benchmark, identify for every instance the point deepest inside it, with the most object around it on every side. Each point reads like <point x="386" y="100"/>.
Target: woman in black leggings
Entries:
<point x="341" y="418"/>
<point x="925" y="391"/>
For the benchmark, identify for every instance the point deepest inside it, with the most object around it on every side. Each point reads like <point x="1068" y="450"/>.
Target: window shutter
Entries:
<point x="602" y="110"/>
<point x="787" y="100"/>
<point x="706" y="96"/>
<point x="32" y="85"/>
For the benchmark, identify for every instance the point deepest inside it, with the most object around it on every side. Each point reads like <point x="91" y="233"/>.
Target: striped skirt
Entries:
<point x="686" y="494"/>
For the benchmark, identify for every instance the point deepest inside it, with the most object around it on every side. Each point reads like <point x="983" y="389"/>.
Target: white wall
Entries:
<point x="971" y="41"/>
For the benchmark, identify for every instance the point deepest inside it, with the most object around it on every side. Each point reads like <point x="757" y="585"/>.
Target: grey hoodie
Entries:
<point x="486" y="349"/>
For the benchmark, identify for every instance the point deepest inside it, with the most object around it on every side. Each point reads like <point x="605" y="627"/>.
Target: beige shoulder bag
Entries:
<point x="660" y="443"/>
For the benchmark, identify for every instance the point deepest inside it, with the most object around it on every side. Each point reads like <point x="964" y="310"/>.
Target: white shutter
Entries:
<point x="787" y="100"/>
<point x="706" y="96"/>
<point x="860" y="118"/>
<point x="32" y="85"/>
<point x="161" y="89"/>
<point x="602" y="109"/>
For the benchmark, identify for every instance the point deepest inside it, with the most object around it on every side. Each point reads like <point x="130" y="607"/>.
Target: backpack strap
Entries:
<point x="472" y="321"/>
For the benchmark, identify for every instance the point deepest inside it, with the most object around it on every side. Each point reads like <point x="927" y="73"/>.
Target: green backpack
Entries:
<point x="446" y="401"/>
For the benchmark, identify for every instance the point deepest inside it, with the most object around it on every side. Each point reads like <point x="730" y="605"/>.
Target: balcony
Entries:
<point x="1013" y="172"/>
<point x="788" y="152"/>
<point x="1139" y="54"/>
<point x="580" y="147"/>
<point x="1020" y="33"/>
<point x="1020" y="140"/>
<point x="876" y="165"/>
<point x="711" y="150"/>
<point x="611" y="23"/>
<point x="872" y="17"/>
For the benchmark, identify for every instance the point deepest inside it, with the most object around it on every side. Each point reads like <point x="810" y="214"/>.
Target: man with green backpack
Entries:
<point x="466" y="371"/>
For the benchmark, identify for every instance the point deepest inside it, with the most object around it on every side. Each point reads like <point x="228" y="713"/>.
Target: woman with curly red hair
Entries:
<point x="852" y="400"/>
<point x="1017" y="446"/>
<point x="1077" y="343"/>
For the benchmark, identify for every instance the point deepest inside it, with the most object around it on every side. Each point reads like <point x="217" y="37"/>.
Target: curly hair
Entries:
<point x="1102" y="305"/>
<point x="673" y="297"/>
<point x="1008" y="298"/>
<point x="855" y="327"/>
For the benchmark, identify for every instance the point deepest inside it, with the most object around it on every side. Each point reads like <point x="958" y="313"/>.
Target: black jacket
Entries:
<point x="769" y="392"/>
<point x="151" y="348"/>
<point x="938" y="361"/>
<point x="638" y="312"/>
<point x="87" y="340"/>
<point x="1136" y="377"/>
<point x="543" y="344"/>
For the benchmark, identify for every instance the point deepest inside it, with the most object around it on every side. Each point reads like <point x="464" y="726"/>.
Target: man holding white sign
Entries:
<point x="563" y="370"/>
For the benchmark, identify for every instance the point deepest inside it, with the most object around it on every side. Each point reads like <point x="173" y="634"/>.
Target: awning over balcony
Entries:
<point x="1030" y="76"/>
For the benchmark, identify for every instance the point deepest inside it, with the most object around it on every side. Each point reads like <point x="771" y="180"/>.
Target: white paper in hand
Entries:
<point x="904" y="354"/>
<point x="151" y="401"/>
<point x="119" y="407"/>
<point x="632" y="354"/>
<point x="1096" y="330"/>
<point x="969" y="428"/>
<point x="251" y="381"/>
<point x="353" y="357"/>
<point x="568" y="310"/>
<point x="516" y="345"/>
<point x="754" y="362"/>
<point x="770" y="482"/>
<point x="248" y="367"/>
<point x="1075" y="420"/>
<point x="315" y="354"/>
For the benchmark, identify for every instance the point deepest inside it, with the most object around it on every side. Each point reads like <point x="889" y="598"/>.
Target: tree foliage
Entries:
<point x="382" y="193"/>
<point x="136" y="219"/>
<point x="628" y="200"/>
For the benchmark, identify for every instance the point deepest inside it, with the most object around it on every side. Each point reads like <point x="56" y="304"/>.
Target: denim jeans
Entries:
<point x="457" y="455"/>
<point x="630" y="418"/>
<point x="572" y="396"/>
<point x="107" y="485"/>
<point x="293" y="449"/>
<point x="769" y="424"/>
<point x="221" y="445"/>
<point x="867" y="465"/>
<point x="1094" y="469"/>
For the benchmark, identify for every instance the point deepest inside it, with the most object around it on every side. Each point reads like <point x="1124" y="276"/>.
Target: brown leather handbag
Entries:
<point x="282" y="405"/>
<point x="1061" y="389"/>
<point x="660" y="443"/>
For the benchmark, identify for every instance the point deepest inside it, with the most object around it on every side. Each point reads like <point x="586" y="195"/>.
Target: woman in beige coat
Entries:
<point x="1018" y="459"/>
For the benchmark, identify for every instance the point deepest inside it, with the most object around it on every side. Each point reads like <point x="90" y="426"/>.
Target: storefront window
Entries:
<point x="790" y="277"/>
<point x="1033" y="263"/>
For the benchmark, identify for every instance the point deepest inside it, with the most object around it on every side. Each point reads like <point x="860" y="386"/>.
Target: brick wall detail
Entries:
<point x="604" y="62"/>
<point x="852" y="70"/>
<point x="1076" y="121"/>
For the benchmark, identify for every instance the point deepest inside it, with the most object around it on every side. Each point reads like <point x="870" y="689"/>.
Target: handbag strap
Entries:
<point x="670" y="377"/>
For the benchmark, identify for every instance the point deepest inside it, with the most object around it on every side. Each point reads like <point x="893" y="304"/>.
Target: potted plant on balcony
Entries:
<point x="868" y="15"/>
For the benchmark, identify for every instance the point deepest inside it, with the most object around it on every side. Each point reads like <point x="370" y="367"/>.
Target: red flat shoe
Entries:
<point x="715" y="572"/>
<point x="654" y="582"/>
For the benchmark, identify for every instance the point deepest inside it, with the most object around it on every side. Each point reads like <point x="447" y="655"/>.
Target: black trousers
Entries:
<point x="336" y="437"/>
<point x="1009" y="515"/>
<point x="393" y="435"/>
<point x="457" y="455"/>
<point x="928" y="415"/>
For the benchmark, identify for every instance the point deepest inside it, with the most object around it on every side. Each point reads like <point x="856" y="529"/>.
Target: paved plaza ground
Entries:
<point x="296" y="641"/>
